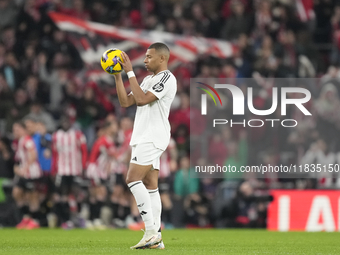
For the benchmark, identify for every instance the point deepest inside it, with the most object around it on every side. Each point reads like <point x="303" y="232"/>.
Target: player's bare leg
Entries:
<point x="62" y="210"/>
<point x="136" y="174"/>
<point x="115" y="199"/>
<point x="34" y="204"/>
<point x="167" y="206"/>
<point x="57" y="211"/>
<point x="124" y="202"/>
<point x="120" y="202"/>
<point x="151" y="179"/>
<point x="101" y="194"/>
<point x="92" y="205"/>
<point x="19" y="197"/>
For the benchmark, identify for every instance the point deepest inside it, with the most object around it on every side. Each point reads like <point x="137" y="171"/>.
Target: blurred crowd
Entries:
<point x="43" y="79"/>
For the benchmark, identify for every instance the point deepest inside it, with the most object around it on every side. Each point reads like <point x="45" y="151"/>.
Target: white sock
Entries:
<point x="156" y="206"/>
<point x="143" y="201"/>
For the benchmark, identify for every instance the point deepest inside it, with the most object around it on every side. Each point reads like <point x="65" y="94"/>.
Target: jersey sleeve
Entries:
<point x="54" y="154"/>
<point x="161" y="84"/>
<point x="29" y="144"/>
<point x="111" y="150"/>
<point x="83" y="147"/>
<point x="94" y="152"/>
<point x="141" y="85"/>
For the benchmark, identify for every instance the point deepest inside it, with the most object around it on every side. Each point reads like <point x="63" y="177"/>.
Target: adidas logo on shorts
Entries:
<point x="135" y="159"/>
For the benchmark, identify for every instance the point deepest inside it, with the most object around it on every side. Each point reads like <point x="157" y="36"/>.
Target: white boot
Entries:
<point x="150" y="238"/>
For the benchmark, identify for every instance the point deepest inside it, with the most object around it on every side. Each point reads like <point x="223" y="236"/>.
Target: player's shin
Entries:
<point x="99" y="207"/>
<point x="24" y="210"/>
<point x="156" y="206"/>
<point x="92" y="206"/>
<point x="143" y="201"/>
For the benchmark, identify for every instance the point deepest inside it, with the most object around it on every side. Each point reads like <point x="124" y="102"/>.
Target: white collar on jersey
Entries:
<point x="160" y="72"/>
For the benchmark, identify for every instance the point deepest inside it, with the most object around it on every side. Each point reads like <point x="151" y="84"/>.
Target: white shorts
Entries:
<point x="146" y="154"/>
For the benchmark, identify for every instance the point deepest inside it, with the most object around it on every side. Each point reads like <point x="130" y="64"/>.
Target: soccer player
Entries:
<point x="150" y="136"/>
<point x="28" y="173"/>
<point x="36" y="128"/>
<point x="45" y="154"/>
<point x="69" y="155"/>
<point x="99" y="170"/>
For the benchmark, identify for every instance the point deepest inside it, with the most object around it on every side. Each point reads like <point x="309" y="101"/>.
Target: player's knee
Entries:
<point x="130" y="179"/>
<point x="92" y="199"/>
<point x="146" y="183"/>
<point x="56" y="198"/>
<point x="64" y="199"/>
<point x="166" y="201"/>
<point x="118" y="191"/>
<point x="100" y="195"/>
<point x="150" y="183"/>
<point x="34" y="206"/>
<point x="101" y="198"/>
<point x="151" y="186"/>
<point x="17" y="193"/>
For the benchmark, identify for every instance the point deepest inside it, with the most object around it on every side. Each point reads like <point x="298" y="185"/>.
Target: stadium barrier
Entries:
<point x="304" y="210"/>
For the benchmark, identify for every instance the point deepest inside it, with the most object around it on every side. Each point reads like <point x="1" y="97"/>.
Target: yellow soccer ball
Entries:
<point x="109" y="61"/>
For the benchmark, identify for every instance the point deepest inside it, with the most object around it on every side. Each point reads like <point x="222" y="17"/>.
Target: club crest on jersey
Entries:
<point x="158" y="87"/>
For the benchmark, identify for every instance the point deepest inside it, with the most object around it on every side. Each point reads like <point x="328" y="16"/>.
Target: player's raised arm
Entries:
<point x="125" y="100"/>
<point x="140" y="97"/>
<point x="54" y="155"/>
<point x="83" y="147"/>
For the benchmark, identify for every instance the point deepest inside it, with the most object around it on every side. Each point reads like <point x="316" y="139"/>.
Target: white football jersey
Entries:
<point x="152" y="120"/>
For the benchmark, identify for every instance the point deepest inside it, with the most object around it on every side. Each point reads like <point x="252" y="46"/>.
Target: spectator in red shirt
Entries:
<point x="182" y="115"/>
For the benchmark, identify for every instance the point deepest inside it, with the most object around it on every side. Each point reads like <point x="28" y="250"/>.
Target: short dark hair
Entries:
<point x="36" y="103"/>
<point x="64" y="118"/>
<point x="20" y="123"/>
<point x="158" y="46"/>
<point x="106" y="124"/>
<point x="31" y="118"/>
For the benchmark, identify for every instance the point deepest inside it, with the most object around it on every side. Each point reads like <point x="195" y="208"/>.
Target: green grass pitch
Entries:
<point x="179" y="241"/>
